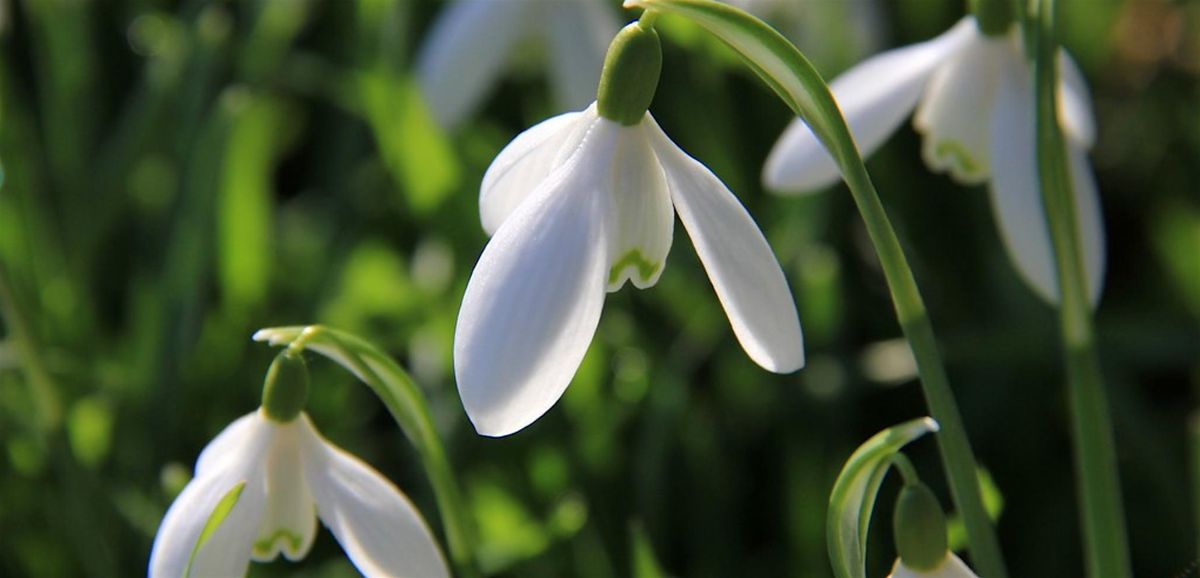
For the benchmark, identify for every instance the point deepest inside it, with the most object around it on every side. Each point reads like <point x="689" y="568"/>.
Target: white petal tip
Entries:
<point x="932" y="425"/>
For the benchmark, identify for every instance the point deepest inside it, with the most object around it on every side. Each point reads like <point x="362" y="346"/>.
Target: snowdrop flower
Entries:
<point x="950" y="567"/>
<point x="975" y="109"/>
<point x="577" y="206"/>
<point x="471" y="41"/>
<point x="262" y="483"/>
<point x="919" y="527"/>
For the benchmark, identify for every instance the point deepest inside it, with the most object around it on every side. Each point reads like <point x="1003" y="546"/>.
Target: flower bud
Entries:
<point x="630" y="75"/>
<point x="285" y="391"/>
<point x="919" y="526"/>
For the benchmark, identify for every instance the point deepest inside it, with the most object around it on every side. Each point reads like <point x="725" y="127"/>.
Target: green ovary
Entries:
<point x="634" y="258"/>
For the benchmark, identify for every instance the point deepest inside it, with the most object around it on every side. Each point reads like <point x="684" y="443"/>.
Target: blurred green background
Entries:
<point x="179" y="174"/>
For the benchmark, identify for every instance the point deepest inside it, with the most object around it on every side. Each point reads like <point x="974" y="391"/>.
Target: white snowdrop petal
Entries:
<point x="229" y="445"/>
<point x="289" y="523"/>
<point x="521" y="167"/>
<point x="1075" y="103"/>
<point x="641" y="218"/>
<point x="955" y="135"/>
<point x="465" y="51"/>
<point x="739" y="262"/>
<point x="226" y="552"/>
<point x="952" y="567"/>
<point x="1015" y="192"/>
<point x="381" y="532"/>
<point x="533" y="301"/>
<point x="579" y="36"/>
<point x="875" y="96"/>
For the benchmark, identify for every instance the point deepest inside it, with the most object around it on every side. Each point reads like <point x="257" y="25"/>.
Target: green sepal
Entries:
<point x="285" y="391"/>
<point x="919" y="527"/>
<point x="993" y="17"/>
<point x="630" y="75"/>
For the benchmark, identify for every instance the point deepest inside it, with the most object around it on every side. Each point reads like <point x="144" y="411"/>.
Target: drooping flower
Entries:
<point x="919" y="528"/>
<point x="951" y="567"/>
<point x="578" y="205"/>
<point x="471" y="41"/>
<point x="975" y="109"/>
<point x="258" y="490"/>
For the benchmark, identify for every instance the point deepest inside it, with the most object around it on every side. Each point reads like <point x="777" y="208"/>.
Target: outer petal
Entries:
<point x="289" y="522"/>
<point x="229" y="445"/>
<point x="526" y="162"/>
<point x="1075" y="102"/>
<point x="874" y="96"/>
<point x="579" y="36"/>
<point x="1016" y="196"/>
<point x="956" y="140"/>
<point x="641" y="218"/>
<point x="951" y="568"/>
<point x="533" y="302"/>
<point x="740" y="264"/>
<point x="381" y="531"/>
<point x="226" y="552"/>
<point x="465" y="52"/>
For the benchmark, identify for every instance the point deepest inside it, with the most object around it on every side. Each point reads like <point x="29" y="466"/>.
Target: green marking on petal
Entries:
<point x="218" y="515"/>
<point x="634" y="258"/>
<point x="263" y="547"/>
<point x="959" y="156"/>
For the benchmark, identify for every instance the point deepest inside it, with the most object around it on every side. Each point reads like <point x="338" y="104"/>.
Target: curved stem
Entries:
<point x="958" y="459"/>
<point x="1105" y="544"/>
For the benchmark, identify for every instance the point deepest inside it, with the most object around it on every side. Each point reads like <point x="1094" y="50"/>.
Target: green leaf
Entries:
<point x="645" y="563"/>
<point x="409" y="409"/>
<point x="245" y="203"/>
<point x="416" y="152"/>
<point x="853" y="497"/>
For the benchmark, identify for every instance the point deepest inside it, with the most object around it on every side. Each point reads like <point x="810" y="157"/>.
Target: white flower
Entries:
<point x="471" y="42"/>
<point x="270" y="481"/>
<point x="951" y="567"/>
<point x="975" y="109"/>
<point x="577" y="205"/>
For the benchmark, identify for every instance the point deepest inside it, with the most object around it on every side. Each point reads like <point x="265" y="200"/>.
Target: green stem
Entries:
<point x="906" y="469"/>
<point x="1105" y="543"/>
<point x="43" y="391"/>
<point x="408" y="407"/>
<point x="957" y="457"/>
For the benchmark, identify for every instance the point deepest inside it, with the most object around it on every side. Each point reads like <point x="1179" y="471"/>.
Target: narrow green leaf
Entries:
<point x="853" y="497"/>
<point x="416" y="152"/>
<point x="645" y="562"/>
<point x="410" y="411"/>
<point x="245" y="201"/>
<point x="219" y="513"/>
